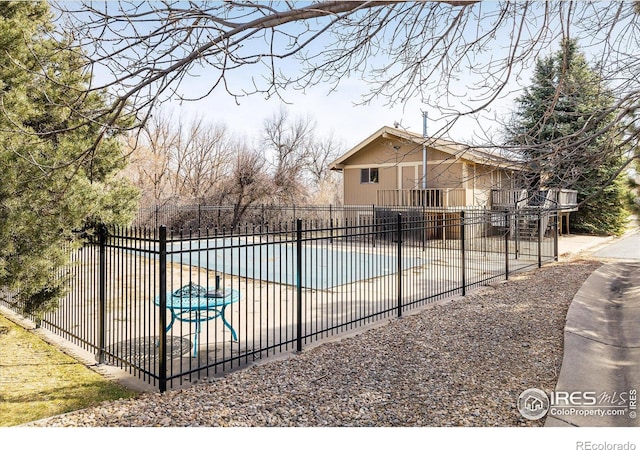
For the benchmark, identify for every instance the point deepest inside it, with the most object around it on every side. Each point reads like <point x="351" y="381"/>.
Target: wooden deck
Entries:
<point x="563" y="199"/>
<point x="435" y="197"/>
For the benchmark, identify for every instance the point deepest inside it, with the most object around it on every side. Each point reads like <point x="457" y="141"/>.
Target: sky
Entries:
<point x="337" y="113"/>
<point x="334" y="113"/>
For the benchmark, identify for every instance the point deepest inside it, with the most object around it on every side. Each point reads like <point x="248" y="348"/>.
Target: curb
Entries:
<point x="602" y="351"/>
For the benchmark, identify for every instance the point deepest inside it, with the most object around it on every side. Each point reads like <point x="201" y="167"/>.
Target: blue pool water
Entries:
<point x="323" y="267"/>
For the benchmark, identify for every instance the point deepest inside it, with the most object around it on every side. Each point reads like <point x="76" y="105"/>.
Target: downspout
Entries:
<point x="424" y="150"/>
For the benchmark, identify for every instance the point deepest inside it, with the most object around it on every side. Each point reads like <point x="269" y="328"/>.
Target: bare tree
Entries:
<point x="289" y="143"/>
<point x="325" y="183"/>
<point x="202" y="158"/>
<point x="178" y="161"/>
<point x="300" y="159"/>
<point x="458" y="57"/>
<point x="248" y="182"/>
<point x="151" y="159"/>
<point x="323" y="150"/>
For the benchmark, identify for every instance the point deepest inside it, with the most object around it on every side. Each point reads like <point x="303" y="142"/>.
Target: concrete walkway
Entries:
<point x="600" y="373"/>
<point x="627" y="248"/>
<point x="577" y="245"/>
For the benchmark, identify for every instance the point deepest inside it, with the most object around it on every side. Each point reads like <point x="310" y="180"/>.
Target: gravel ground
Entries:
<point x="463" y="363"/>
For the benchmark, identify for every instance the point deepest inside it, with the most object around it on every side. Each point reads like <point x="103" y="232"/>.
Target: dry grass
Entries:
<point x="37" y="380"/>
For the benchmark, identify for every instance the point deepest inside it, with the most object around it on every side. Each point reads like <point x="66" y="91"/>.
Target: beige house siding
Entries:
<point x="437" y="155"/>
<point x="380" y="151"/>
<point x="391" y="151"/>
<point x="357" y="193"/>
<point x="410" y="178"/>
<point x="445" y="175"/>
<point x="487" y="178"/>
<point x="476" y="178"/>
<point x="398" y="156"/>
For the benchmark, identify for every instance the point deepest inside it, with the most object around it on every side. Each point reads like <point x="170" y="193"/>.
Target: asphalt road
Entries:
<point x="627" y="248"/>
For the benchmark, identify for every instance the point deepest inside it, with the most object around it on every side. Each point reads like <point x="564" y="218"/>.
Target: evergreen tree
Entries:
<point x="565" y="128"/>
<point x="54" y="179"/>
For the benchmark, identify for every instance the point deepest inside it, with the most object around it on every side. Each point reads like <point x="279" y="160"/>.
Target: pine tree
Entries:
<point x="54" y="178"/>
<point x="565" y="129"/>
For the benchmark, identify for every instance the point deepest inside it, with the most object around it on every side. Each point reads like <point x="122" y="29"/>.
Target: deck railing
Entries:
<point x="567" y="199"/>
<point x="436" y="197"/>
<point x="508" y="198"/>
<point x="564" y="199"/>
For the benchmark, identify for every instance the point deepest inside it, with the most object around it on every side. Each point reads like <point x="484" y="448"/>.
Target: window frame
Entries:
<point x="372" y="175"/>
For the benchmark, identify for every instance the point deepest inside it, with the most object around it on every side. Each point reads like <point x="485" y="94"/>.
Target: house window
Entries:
<point x="369" y="175"/>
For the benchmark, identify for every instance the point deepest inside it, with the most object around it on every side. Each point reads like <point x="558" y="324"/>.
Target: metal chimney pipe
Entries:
<point x="424" y="150"/>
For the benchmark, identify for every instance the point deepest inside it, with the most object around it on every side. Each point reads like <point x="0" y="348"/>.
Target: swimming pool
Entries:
<point x="323" y="266"/>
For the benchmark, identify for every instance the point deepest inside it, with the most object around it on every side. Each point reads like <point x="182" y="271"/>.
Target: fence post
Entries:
<point x="462" y="248"/>
<point x="540" y="231"/>
<point x="517" y="233"/>
<point x="102" y="291"/>
<point x="399" y="233"/>
<point x="162" y="277"/>
<point x="424" y="226"/>
<point x="330" y="224"/>
<point x="507" y="230"/>
<point x="555" y="237"/>
<point x="299" y="285"/>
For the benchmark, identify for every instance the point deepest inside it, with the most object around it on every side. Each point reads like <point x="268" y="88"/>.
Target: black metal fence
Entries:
<point x="222" y="216"/>
<point x="171" y="306"/>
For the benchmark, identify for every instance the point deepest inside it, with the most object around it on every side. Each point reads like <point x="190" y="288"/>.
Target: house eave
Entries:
<point x="455" y="149"/>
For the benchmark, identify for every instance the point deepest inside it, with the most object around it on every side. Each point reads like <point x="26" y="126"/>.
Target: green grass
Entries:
<point x="37" y="380"/>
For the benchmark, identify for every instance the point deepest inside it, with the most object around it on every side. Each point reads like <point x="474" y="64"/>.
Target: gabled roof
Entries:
<point x="454" y="149"/>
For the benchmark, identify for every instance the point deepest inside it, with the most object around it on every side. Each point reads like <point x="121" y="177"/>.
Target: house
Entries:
<point x="397" y="168"/>
<point x="388" y="169"/>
